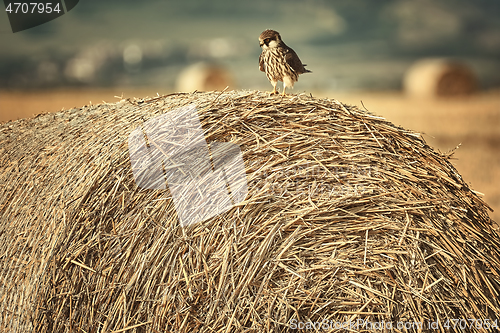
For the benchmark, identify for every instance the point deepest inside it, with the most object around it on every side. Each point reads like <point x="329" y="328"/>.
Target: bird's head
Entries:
<point x="269" y="39"/>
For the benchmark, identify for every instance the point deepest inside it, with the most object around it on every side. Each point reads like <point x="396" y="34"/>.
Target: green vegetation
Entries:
<point x="347" y="44"/>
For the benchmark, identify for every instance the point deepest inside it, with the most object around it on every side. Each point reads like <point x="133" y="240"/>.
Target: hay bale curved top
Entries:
<point x="204" y="76"/>
<point x="439" y="77"/>
<point x="347" y="217"/>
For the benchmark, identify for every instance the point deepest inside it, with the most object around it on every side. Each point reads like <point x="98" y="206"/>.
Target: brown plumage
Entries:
<point x="278" y="61"/>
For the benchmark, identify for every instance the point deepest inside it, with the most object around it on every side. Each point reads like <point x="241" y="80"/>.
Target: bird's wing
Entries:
<point x="261" y="63"/>
<point x="292" y="59"/>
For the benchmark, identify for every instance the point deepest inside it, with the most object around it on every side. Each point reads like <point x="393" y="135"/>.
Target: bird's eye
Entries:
<point x="266" y="40"/>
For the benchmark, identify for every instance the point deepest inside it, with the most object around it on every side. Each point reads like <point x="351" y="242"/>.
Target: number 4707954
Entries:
<point x="32" y="8"/>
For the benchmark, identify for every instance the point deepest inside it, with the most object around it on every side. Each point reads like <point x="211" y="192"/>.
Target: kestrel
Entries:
<point x="279" y="61"/>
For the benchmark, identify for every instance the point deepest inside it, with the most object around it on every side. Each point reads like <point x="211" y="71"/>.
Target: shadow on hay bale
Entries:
<point x="347" y="217"/>
<point x="204" y="77"/>
<point x="439" y="78"/>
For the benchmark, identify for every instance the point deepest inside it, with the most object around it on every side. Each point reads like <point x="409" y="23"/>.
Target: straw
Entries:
<point x="347" y="217"/>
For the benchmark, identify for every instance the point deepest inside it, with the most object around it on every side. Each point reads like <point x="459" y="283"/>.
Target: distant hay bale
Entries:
<point x="347" y="218"/>
<point x="204" y="77"/>
<point x="439" y="77"/>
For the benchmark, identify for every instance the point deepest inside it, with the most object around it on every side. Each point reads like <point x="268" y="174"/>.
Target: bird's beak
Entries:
<point x="261" y="44"/>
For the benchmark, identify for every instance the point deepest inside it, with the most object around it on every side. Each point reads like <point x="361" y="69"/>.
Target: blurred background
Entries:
<point x="429" y="66"/>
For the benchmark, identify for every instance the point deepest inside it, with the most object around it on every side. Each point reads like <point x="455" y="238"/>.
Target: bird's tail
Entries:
<point x="306" y="70"/>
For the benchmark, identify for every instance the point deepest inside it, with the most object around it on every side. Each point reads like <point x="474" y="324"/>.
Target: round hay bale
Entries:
<point x="439" y="77"/>
<point x="204" y="77"/>
<point x="348" y="219"/>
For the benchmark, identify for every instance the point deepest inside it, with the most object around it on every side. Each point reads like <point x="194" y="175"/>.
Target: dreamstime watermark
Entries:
<point x="326" y="324"/>
<point x="413" y="326"/>
<point x="170" y="150"/>
<point x="28" y="14"/>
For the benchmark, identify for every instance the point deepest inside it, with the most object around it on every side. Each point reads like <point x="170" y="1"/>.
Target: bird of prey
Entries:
<point x="278" y="61"/>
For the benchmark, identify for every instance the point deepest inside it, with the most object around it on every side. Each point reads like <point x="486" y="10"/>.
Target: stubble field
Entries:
<point x="471" y="122"/>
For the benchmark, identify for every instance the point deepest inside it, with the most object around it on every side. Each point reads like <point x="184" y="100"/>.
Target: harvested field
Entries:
<point x="347" y="217"/>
